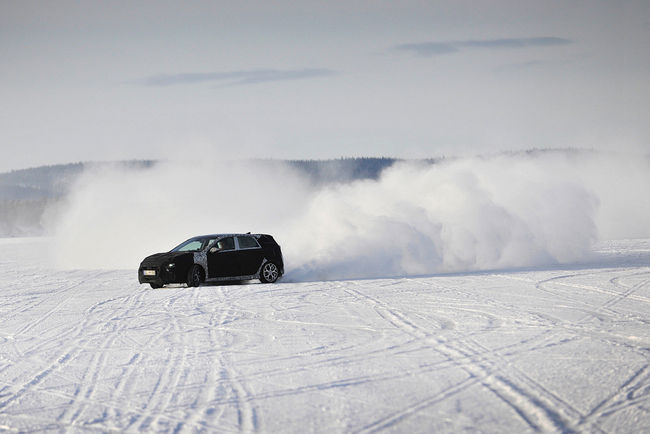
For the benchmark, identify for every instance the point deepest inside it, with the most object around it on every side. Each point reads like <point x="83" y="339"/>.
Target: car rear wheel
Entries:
<point x="269" y="273"/>
<point x="195" y="276"/>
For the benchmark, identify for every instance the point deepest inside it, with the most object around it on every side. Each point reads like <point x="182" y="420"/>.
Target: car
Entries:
<point x="215" y="258"/>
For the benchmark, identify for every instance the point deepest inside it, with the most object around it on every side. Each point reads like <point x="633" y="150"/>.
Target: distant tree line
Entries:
<point x="54" y="182"/>
<point x="342" y="169"/>
<point x="27" y="194"/>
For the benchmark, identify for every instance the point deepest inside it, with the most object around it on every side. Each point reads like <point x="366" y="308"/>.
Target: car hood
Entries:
<point x="161" y="258"/>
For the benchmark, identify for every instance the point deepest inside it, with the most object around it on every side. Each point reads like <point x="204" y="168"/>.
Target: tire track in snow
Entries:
<point x="335" y="384"/>
<point x="69" y="352"/>
<point x="536" y="414"/>
<point x="574" y="328"/>
<point x="220" y="377"/>
<point x="627" y="291"/>
<point x="98" y="317"/>
<point x="472" y="300"/>
<point x="55" y="295"/>
<point x="559" y="407"/>
<point x="602" y="312"/>
<point x="35" y="380"/>
<point x="222" y="388"/>
<point x="248" y="416"/>
<point x="441" y="323"/>
<point x="203" y="414"/>
<point x="244" y="396"/>
<point x="558" y="281"/>
<point x="39" y="343"/>
<point x="160" y="396"/>
<point x="193" y="306"/>
<point x="85" y="391"/>
<point x="336" y="349"/>
<point x="349" y="382"/>
<point x="616" y="296"/>
<point x="594" y="419"/>
<point x="395" y="418"/>
<point x="150" y="352"/>
<point x="315" y="363"/>
<point x="622" y="399"/>
<point x="121" y="393"/>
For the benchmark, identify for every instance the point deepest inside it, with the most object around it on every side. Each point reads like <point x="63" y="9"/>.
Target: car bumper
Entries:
<point x="161" y="276"/>
<point x="145" y="278"/>
<point x="156" y="278"/>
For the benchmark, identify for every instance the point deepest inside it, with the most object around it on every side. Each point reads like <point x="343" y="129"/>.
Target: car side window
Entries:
<point x="191" y="246"/>
<point x="226" y="244"/>
<point x="247" y="242"/>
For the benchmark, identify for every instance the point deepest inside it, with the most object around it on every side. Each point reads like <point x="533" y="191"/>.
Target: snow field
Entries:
<point x="552" y="350"/>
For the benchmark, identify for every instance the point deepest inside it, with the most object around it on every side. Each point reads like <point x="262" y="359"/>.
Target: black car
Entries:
<point x="215" y="258"/>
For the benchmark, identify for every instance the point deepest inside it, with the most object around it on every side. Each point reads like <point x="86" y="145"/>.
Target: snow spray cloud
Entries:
<point x="460" y="215"/>
<point x="117" y="215"/>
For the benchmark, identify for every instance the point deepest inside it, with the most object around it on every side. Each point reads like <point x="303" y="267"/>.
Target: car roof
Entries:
<point x="226" y="235"/>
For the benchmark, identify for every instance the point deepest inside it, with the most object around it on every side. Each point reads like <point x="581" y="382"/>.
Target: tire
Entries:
<point x="155" y="285"/>
<point x="269" y="273"/>
<point x="195" y="276"/>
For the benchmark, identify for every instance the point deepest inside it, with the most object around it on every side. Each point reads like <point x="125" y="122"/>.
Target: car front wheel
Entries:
<point x="195" y="276"/>
<point x="270" y="273"/>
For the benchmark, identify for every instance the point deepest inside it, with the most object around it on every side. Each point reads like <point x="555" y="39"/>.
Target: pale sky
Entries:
<point x="111" y="80"/>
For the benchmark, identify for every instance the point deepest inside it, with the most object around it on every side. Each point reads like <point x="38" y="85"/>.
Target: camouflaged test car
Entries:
<point x="215" y="258"/>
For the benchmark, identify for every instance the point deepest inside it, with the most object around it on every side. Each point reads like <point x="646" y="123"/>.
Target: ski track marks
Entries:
<point x="93" y="350"/>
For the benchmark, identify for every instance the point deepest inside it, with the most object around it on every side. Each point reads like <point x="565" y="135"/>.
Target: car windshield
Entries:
<point x="193" y="245"/>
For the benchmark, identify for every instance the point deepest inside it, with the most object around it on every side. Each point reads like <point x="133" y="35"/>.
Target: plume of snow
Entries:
<point x="460" y="215"/>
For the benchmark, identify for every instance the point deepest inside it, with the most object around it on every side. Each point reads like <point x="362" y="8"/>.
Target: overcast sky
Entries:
<point x="107" y="80"/>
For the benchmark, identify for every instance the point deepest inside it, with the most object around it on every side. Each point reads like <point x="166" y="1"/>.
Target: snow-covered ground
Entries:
<point x="554" y="349"/>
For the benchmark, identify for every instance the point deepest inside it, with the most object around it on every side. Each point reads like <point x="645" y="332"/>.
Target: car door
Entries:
<point x="224" y="261"/>
<point x="250" y="255"/>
